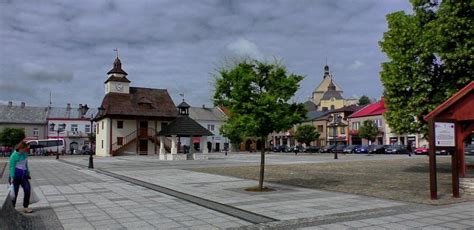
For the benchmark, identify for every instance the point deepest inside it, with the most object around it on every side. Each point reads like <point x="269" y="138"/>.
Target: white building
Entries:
<point x="212" y="119"/>
<point x="78" y="126"/>
<point x="130" y="117"/>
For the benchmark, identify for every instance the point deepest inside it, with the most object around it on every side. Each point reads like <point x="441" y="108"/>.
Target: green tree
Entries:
<point x="11" y="136"/>
<point x="431" y="56"/>
<point x="368" y="130"/>
<point x="364" y="100"/>
<point x="257" y="95"/>
<point x="230" y="131"/>
<point x="306" y="134"/>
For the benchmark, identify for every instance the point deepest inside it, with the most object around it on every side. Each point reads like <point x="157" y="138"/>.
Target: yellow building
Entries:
<point x="328" y="95"/>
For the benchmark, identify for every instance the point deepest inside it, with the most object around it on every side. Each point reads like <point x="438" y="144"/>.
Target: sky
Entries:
<point x="67" y="47"/>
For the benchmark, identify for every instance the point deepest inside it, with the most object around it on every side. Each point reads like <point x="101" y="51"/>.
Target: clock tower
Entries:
<point x="117" y="81"/>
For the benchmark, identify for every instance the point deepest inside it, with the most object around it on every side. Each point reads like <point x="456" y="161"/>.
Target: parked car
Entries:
<point x="312" y="149"/>
<point x="338" y="149"/>
<point x="423" y="150"/>
<point x="377" y="149"/>
<point x="350" y="149"/>
<point x="281" y="148"/>
<point x="469" y="150"/>
<point x="327" y="149"/>
<point x="396" y="149"/>
<point x="362" y="149"/>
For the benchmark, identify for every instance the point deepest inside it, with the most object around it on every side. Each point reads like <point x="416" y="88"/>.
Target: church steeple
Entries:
<point x="117" y="68"/>
<point x="326" y="71"/>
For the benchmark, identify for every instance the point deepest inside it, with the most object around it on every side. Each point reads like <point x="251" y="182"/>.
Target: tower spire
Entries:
<point x="116" y="50"/>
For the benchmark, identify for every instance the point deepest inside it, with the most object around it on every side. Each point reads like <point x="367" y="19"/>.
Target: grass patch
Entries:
<point x="401" y="179"/>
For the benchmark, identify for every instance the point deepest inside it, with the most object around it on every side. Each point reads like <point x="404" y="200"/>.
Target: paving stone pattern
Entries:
<point x="78" y="198"/>
<point x="84" y="199"/>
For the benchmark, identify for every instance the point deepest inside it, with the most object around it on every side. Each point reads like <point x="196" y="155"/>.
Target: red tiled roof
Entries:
<point x="373" y="109"/>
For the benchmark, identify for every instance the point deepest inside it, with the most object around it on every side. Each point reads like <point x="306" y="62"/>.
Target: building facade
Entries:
<point x="212" y="119"/>
<point x="79" y="126"/>
<point x="130" y="117"/>
<point x="29" y="118"/>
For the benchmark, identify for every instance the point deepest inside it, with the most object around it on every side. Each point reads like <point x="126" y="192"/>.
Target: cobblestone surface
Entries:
<point x="79" y="198"/>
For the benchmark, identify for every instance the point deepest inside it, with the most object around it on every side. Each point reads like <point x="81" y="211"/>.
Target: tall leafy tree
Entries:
<point x="11" y="136"/>
<point x="258" y="96"/>
<point x="231" y="131"/>
<point x="368" y="130"/>
<point x="306" y="134"/>
<point x="431" y="56"/>
<point x="364" y="100"/>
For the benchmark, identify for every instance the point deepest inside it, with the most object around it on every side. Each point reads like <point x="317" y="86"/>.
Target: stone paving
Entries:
<point x="89" y="199"/>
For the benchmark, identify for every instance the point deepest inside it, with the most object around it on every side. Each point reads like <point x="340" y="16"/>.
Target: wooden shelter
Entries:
<point x="449" y="125"/>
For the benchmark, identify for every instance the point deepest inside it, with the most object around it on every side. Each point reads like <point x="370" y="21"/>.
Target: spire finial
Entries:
<point x="116" y="50"/>
<point x="182" y="95"/>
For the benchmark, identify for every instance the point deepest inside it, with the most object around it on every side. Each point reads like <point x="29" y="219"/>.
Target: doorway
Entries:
<point x="143" y="147"/>
<point x="143" y="128"/>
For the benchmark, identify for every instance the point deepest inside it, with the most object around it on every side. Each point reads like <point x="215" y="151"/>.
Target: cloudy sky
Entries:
<point x="66" y="47"/>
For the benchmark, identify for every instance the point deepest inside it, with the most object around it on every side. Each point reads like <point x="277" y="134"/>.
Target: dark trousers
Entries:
<point x="25" y="184"/>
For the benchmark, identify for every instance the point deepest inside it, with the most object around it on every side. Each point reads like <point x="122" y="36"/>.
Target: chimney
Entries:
<point x="23" y="104"/>
<point x="10" y="104"/>
<point x="68" y="107"/>
<point x="203" y="106"/>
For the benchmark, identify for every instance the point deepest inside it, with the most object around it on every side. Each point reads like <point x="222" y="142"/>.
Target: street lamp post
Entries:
<point x="61" y="128"/>
<point x="336" y="122"/>
<point x="91" y="160"/>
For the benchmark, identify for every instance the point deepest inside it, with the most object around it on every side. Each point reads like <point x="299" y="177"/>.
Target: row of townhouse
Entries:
<point x="40" y="123"/>
<point x="342" y="125"/>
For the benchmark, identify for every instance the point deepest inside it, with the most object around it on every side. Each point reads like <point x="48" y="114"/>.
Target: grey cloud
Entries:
<point x="43" y="75"/>
<point x="178" y="44"/>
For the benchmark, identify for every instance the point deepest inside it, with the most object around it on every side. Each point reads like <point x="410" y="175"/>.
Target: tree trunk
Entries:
<point x="262" y="165"/>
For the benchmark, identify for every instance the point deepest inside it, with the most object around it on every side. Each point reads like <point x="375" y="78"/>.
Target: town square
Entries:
<point x="237" y="115"/>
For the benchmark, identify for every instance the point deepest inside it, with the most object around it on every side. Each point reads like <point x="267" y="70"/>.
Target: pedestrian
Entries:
<point x="20" y="174"/>
<point x="409" y="149"/>
<point x="296" y="150"/>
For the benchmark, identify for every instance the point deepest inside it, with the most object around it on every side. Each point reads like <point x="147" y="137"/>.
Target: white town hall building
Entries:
<point x="129" y="119"/>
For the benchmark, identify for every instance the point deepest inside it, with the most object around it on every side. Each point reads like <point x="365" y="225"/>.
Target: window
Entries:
<point x="96" y="128"/>
<point x="102" y="124"/>
<point x="343" y="130"/>
<point x="35" y="132"/>
<point x="74" y="128"/>
<point x="334" y="131"/>
<point x="119" y="124"/>
<point x="332" y="107"/>
<point x="51" y="128"/>
<point x="355" y="125"/>
<point x="119" y="140"/>
<point x="378" y="122"/>
<point x="102" y="142"/>
<point x="88" y="128"/>
<point x="210" y="127"/>
<point x="320" y="128"/>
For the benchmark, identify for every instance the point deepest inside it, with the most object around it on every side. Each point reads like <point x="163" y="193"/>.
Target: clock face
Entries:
<point x="119" y="87"/>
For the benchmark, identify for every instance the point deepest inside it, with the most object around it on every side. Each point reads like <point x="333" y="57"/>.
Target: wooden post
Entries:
<point x="432" y="158"/>
<point x="455" y="158"/>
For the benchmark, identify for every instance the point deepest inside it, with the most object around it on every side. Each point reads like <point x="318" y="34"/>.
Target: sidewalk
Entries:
<point x="90" y="199"/>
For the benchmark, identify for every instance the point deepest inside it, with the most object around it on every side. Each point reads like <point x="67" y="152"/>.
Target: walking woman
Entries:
<point x="19" y="174"/>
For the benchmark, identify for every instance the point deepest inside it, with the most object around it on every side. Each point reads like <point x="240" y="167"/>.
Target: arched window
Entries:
<point x="332" y="107"/>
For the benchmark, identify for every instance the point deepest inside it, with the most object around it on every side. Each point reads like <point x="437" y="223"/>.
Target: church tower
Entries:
<point x="117" y="81"/>
<point x="323" y="87"/>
